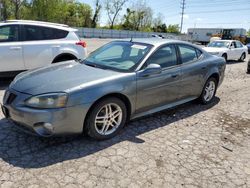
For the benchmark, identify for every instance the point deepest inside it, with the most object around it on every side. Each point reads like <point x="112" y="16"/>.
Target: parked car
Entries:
<point x="157" y="36"/>
<point x="248" y="48"/>
<point x="120" y="81"/>
<point x="248" y="67"/>
<point x="30" y="44"/>
<point x="228" y="49"/>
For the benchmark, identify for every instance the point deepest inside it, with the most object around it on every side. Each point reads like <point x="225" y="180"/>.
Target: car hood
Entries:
<point x="214" y="49"/>
<point x="60" y="77"/>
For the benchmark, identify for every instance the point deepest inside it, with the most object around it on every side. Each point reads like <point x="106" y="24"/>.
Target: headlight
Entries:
<point x="51" y="100"/>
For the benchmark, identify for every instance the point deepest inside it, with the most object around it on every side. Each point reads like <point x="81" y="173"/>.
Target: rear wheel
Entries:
<point x="106" y="119"/>
<point x="209" y="91"/>
<point x="242" y="57"/>
<point x="225" y="56"/>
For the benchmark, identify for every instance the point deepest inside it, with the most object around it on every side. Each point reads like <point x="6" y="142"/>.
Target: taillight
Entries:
<point x="82" y="43"/>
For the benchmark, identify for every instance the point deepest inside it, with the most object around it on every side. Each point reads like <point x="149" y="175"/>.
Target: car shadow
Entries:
<point x="232" y="62"/>
<point x="22" y="150"/>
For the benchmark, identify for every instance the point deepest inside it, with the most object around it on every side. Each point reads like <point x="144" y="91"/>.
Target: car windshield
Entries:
<point x="120" y="56"/>
<point x="219" y="44"/>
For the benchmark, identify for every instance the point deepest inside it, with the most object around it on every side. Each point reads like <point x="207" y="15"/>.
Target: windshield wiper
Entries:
<point x="94" y="65"/>
<point x="90" y="64"/>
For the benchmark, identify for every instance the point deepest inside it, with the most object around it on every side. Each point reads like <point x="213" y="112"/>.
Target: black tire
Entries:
<point x="203" y="94"/>
<point x="225" y="57"/>
<point x="242" y="57"/>
<point x="91" y="127"/>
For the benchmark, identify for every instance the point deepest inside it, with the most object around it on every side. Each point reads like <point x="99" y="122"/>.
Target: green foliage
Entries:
<point x="69" y="12"/>
<point x="173" y="29"/>
<point x="139" y="16"/>
<point x="248" y="32"/>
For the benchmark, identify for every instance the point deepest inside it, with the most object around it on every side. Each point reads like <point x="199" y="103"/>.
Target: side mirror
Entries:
<point x="151" y="69"/>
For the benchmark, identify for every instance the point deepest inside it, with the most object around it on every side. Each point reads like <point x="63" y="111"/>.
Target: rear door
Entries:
<point x="11" y="52"/>
<point x="37" y="46"/>
<point x="193" y="70"/>
<point x="239" y="48"/>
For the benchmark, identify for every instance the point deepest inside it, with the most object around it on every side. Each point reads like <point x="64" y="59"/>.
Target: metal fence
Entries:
<point x="109" y="33"/>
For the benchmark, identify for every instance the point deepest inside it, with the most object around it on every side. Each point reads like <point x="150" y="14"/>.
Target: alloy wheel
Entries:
<point x="209" y="91"/>
<point x="108" y="119"/>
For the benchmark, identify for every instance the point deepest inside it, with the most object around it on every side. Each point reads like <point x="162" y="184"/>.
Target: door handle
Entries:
<point x="16" y="48"/>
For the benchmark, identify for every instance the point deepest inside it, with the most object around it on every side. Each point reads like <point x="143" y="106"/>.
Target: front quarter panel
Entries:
<point x="124" y="84"/>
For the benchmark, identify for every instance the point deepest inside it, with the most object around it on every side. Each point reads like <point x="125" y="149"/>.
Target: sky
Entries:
<point x="198" y="13"/>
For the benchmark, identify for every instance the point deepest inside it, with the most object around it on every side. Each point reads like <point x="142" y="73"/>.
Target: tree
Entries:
<point x="17" y="6"/>
<point x="158" y="25"/>
<point x="113" y="7"/>
<point x="173" y="29"/>
<point x="5" y="9"/>
<point x="138" y="17"/>
<point x="248" y="32"/>
<point x="95" y="19"/>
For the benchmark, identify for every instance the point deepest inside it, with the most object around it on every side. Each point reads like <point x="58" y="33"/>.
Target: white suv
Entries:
<point x="30" y="44"/>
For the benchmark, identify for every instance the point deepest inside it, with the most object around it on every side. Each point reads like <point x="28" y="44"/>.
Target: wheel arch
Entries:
<point x="62" y="56"/>
<point x="216" y="76"/>
<point x="120" y="96"/>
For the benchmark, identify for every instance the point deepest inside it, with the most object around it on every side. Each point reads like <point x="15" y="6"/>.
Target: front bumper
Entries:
<point x="46" y="122"/>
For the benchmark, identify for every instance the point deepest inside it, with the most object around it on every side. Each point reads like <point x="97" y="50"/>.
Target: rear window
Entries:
<point x="188" y="53"/>
<point x="32" y="33"/>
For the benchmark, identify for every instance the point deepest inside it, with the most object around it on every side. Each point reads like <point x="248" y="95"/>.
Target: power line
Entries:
<point x="182" y="13"/>
<point x="218" y="11"/>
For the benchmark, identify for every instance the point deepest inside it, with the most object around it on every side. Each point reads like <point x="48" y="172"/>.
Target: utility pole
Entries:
<point x="183" y="4"/>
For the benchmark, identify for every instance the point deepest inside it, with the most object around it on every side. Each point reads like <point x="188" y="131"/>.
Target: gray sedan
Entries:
<point x="120" y="81"/>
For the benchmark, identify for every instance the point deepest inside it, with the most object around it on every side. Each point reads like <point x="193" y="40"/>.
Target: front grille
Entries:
<point x="11" y="98"/>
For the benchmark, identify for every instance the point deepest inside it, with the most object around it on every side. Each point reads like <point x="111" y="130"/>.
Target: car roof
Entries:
<point x="226" y="40"/>
<point x="38" y="23"/>
<point x="155" y="41"/>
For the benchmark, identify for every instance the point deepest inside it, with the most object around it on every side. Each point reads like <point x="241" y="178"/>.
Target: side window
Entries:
<point x="199" y="53"/>
<point x="165" y="56"/>
<point x="43" y="33"/>
<point x="188" y="53"/>
<point x="233" y="45"/>
<point x="238" y="44"/>
<point x="9" y="33"/>
<point x="51" y="33"/>
<point x="32" y="33"/>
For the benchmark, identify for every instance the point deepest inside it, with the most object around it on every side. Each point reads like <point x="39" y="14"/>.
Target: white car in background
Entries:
<point x="229" y="49"/>
<point x="27" y="45"/>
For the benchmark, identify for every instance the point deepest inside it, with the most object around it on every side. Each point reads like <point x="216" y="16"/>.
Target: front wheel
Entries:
<point x="106" y="119"/>
<point x="209" y="91"/>
<point x="242" y="57"/>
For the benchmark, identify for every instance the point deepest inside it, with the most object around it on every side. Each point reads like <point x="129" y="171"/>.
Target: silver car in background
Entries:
<point x="120" y="81"/>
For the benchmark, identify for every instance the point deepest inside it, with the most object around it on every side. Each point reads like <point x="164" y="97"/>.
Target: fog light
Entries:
<point x="48" y="126"/>
<point x="44" y="129"/>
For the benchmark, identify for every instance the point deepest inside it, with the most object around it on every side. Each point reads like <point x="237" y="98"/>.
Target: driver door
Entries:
<point x="159" y="89"/>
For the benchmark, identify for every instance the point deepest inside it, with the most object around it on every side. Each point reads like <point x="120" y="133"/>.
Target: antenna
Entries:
<point x="131" y="40"/>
